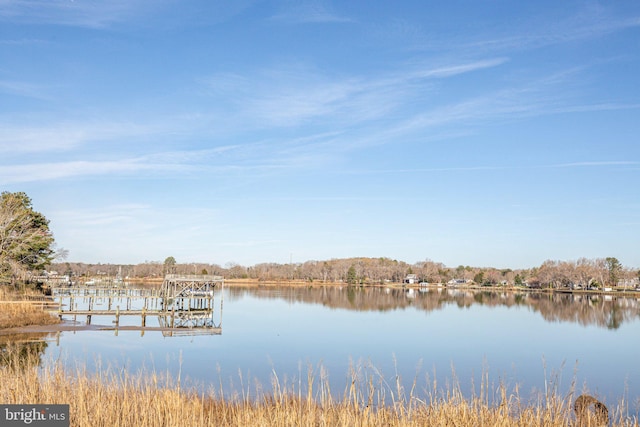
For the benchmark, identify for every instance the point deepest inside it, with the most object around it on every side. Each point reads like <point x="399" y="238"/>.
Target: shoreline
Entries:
<point x="48" y="304"/>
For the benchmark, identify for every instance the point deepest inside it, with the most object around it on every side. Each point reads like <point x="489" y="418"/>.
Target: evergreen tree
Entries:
<point x="351" y="276"/>
<point x="614" y="267"/>
<point x="479" y="278"/>
<point x="26" y="243"/>
<point x="518" y="280"/>
<point x="169" y="265"/>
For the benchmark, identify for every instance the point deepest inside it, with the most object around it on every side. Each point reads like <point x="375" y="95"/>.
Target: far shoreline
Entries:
<point x="67" y="325"/>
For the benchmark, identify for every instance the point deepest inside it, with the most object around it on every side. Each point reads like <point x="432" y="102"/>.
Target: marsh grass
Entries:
<point x="115" y="397"/>
<point x="23" y="309"/>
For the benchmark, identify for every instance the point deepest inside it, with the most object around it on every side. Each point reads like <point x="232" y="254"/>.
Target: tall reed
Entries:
<point x="15" y="314"/>
<point x="112" y="397"/>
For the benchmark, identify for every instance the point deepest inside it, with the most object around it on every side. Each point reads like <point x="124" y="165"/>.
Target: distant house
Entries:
<point x="533" y="283"/>
<point x="456" y="282"/>
<point x="410" y="279"/>
<point x="629" y="283"/>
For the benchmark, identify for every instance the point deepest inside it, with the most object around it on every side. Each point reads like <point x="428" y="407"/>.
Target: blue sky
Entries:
<point x="483" y="133"/>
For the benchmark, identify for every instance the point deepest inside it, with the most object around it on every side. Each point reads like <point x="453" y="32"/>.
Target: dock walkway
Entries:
<point x="183" y="302"/>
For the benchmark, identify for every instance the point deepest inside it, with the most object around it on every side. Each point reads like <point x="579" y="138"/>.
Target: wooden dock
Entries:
<point x="184" y="303"/>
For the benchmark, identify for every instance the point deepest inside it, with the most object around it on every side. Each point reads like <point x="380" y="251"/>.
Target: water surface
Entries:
<point x="532" y="341"/>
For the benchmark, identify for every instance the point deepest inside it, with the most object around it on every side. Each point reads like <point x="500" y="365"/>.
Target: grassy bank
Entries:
<point x="118" y="398"/>
<point x="25" y="308"/>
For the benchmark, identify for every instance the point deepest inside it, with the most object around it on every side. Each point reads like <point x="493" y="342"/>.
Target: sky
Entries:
<point x="482" y="133"/>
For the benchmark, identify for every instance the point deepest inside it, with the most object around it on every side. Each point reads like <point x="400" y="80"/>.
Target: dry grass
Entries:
<point x="19" y="309"/>
<point x="17" y="314"/>
<point x="118" y="398"/>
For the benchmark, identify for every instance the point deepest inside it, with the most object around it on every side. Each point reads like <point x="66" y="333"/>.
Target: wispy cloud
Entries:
<point x="543" y="96"/>
<point x="594" y="107"/>
<point x="35" y="172"/>
<point x="481" y="168"/>
<point x="106" y="215"/>
<point x="253" y="159"/>
<point x="456" y="69"/>
<point x="394" y="107"/>
<point x="23" y="136"/>
<point x="19" y="88"/>
<point x="107" y="14"/>
<point x="593" y="164"/>
<point x="509" y="36"/>
<point x="588" y="24"/>
<point x="15" y="140"/>
<point x="360" y="112"/>
<point x="309" y="11"/>
<point x="129" y="225"/>
<point x="65" y="12"/>
<point x="22" y="42"/>
<point x="292" y="95"/>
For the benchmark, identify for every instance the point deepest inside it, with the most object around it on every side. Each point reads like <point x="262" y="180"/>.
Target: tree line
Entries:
<point x="376" y="271"/>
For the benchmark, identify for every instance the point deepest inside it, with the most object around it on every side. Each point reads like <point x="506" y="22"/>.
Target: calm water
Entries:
<point x="525" y="340"/>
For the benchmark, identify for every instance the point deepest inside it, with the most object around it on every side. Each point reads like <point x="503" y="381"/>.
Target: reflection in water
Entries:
<point x="189" y="323"/>
<point x="606" y="311"/>
<point x="396" y="331"/>
<point x="184" y="307"/>
<point x="25" y="349"/>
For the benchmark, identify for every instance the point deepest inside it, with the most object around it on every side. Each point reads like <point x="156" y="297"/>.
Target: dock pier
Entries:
<point x="184" y="304"/>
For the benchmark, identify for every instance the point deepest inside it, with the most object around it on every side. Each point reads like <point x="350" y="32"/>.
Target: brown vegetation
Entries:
<point x="25" y="309"/>
<point x="588" y="409"/>
<point x="120" y="398"/>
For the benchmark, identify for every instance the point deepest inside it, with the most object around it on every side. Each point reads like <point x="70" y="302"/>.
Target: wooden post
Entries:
<point x="117" y="316"/>
<point x="173" y="314"/>
<point x="221" y="303"/>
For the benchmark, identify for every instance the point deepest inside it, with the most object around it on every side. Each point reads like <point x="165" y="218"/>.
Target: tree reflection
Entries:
<point x="615" y="317"/>
<point x="22" y="350"/>
<point x="608" y="311"/>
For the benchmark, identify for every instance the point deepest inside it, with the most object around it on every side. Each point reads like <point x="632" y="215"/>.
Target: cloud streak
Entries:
<point x="243" y="160"/>
<point x="359" y="111"/>
<point x="105" y="15"/>
<point x="59" y="170"/>
<point x="25" y="89"/>
<point x="309" y="11"/>
<point x="25" y="138"/>
<point x="62" y="12"/>
<point x="584" y="26"/>
<point x="294" y="95"/>
<point x="520" y="166"/>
